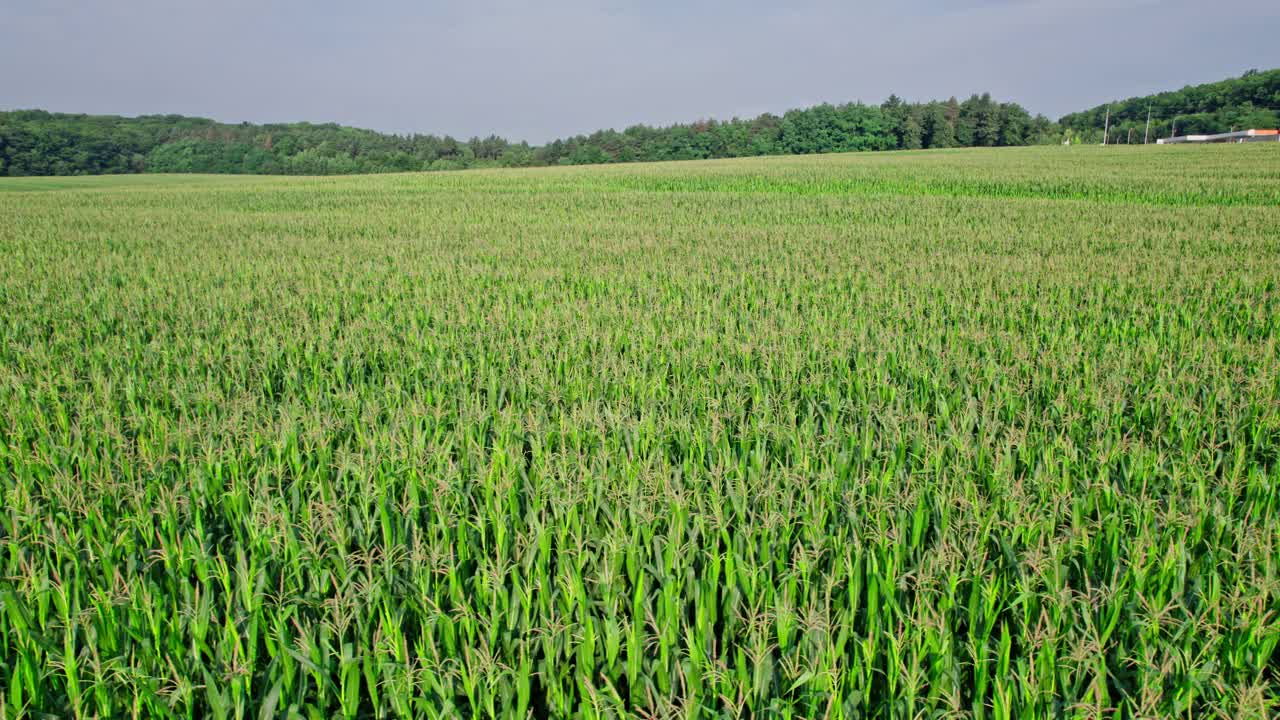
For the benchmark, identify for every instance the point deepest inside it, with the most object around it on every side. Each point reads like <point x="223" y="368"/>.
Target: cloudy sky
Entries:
<point x="536" y="70"/>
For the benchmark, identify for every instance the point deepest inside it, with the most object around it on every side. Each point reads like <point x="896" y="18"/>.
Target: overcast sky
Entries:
<point x="537" y="70"/>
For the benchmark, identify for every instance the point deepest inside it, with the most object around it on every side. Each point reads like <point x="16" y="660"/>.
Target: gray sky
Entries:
<point x="538" y="70"/>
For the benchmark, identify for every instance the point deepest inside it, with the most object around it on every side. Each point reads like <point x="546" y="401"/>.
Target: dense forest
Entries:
<point x="35" y="142"/>
<point x="1249" y="101"/>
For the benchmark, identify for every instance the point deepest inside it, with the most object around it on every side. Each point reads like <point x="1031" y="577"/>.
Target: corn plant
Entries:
<point x="983" y="434"/>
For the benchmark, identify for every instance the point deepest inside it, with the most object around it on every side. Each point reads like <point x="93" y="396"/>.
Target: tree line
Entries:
<point x="35" y="142"/>
<point x="893" y="125"/>
<point x="1250" y="101"/>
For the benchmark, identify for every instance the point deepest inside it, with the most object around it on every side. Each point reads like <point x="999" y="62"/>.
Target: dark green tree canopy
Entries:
<point x="1249" y="101"/>
<point x="35" y="142"/>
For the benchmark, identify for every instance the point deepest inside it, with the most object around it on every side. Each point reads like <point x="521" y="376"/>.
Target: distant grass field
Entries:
<point x="989" y="434"/>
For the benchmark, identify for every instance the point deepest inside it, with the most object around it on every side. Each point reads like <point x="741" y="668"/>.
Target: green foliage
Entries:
<point x="41" y="143"/>
<point x="34" y="142"/>
<point x="968" y="434"/>
<point x="207" y="156"/>
<point x="1251" y="101"/>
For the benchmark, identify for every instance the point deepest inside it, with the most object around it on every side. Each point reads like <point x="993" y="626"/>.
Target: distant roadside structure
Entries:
<point x="1240" y="136"/>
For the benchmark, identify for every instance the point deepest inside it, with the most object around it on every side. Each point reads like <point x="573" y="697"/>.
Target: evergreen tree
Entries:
<point x="966" y="123"/>
<point x="895" y="113"/>
<point x="986" y="122"/>
<point x="912" y="134"/>
<point x="939" y="130"/>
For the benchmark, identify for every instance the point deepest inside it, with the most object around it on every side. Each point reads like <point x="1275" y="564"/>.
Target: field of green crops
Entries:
<point x="989" y="434"/>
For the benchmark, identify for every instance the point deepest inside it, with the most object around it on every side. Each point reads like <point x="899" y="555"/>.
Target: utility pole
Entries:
<point x="1147" y="133"/>
<point x="1106" y="128"/>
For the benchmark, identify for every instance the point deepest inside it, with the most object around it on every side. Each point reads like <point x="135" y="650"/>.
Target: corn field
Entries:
<point x="980" y="434"/>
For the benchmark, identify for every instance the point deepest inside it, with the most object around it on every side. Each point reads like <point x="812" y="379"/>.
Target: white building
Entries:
<point x="1241" y="136"/>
